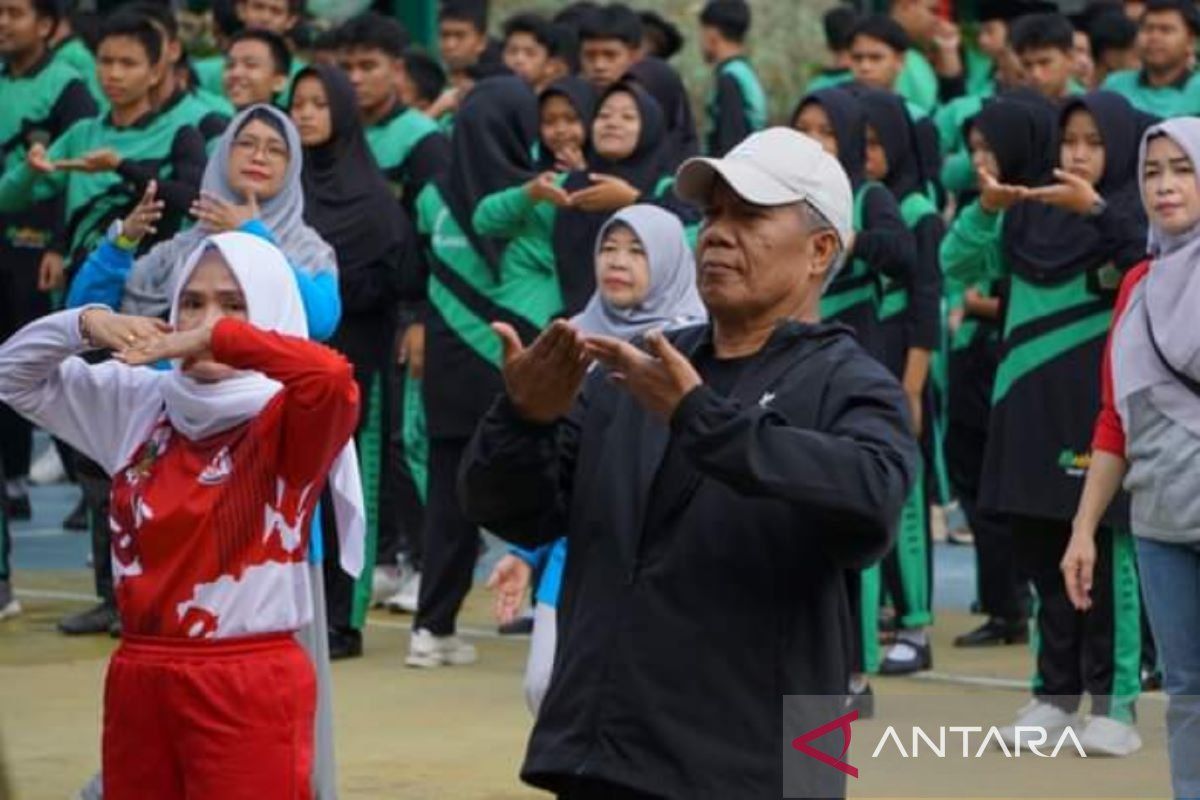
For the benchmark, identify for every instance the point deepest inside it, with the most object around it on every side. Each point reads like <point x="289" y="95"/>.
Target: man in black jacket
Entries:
<point x="714" y="488"/>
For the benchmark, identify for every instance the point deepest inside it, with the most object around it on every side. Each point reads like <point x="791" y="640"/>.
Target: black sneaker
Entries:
<point x="995" y="631"/>
<point x="905" y="658"/>
<point x="521" y="626"/>
<point x="1151" y="679"/>
<point x="344" y="643"/>
<point x="97" y="619"/>
<point x="18" y="508"/>
<point x="77" y="520"/>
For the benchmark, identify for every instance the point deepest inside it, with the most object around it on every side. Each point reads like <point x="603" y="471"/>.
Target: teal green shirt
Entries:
<point x="828" y="78"/>
<point x="917" y="82"/>
<point x="737" y="106"/>
<point x="1179" y="99"/>
<point x="394" y="138"/>
<point x="75" y="54"/>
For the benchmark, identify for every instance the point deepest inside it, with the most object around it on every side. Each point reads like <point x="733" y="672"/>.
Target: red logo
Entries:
<point x="842" y="723"/>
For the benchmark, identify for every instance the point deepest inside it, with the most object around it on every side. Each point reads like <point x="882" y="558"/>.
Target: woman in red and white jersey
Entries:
<point x="217" y="465"/>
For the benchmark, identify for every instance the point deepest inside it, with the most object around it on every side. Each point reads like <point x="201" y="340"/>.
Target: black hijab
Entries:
<point x="664" y="84"/>
<point x="1019" y="129"/>
<point x="575" y="230"/>
<point x="1047" y="244"/>
<point x="346" y="199"/>
<point x="888" y="115"/>
<point x="582" y="97"/>
<point x="494" y="130"/>
<point x="849" y="122"/>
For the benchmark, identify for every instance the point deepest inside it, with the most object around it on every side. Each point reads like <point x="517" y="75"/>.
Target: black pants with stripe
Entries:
<point x="1097" y="651"/>
<point x="451" y="543"/>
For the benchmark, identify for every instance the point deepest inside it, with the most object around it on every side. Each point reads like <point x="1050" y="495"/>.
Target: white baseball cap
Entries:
<point x="775" y="167"/>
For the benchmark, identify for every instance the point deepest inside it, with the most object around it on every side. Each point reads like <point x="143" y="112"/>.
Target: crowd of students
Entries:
<point x="431" y="207"/>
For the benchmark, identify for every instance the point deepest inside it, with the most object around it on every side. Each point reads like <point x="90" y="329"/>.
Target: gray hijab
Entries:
<point x="151" y="283"/>
<point x="671" y="300"/>
<point x="1167" y="301"/>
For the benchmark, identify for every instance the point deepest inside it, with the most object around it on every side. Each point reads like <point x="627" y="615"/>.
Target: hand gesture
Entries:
<point x="1071" y="192"/>
<point x="145" y="214"/>
<point x="607" y="193"/>
<point x="52" y="273"/>
<point x="543" y="379"/>
<point x="183" y="345"/>
<point x="509" y="581"/>
<point x="38" y="160"/>
<point x="1078" y="567"/>
<point x="219" y="215"/>
<point x="544" y="189"/>
<point x="109" y="331"/>
<point x="569" y="158"/>
<point x="658" y="379"/>
<point x="947" y="36"/>
<point x="102" y="160"/>
<point x="412" y="350"/>
<point x="995" y="196"/>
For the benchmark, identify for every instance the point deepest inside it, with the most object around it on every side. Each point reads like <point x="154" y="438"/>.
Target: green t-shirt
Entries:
<point x="393" y="139"/>
<point x="917" y="82"/>
<point x="75" y="54"/>
<point x="828" y="78"/>
<point x="1179" y="99"/>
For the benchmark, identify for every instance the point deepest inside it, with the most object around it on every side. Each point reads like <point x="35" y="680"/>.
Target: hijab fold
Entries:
<point x="849" y="122"/>
<point x="490" y="150"/>
<point x="671" y="299"/>
<point x="889" y="117"/>
<point x="664" y="84"/>
<point x="154" y="278"/>
<point x="199" y="410"/>
<point x="1164" y="307"/>
<point x="1048" y="244"/>
<point x="643" y="169"/>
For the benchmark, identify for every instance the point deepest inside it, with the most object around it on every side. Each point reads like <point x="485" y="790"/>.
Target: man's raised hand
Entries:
<point x="543" y="379"/>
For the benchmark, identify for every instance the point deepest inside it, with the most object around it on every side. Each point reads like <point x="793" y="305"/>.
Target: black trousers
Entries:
<point x="603" y="790"/>
<point x="1002" y="591"/>
<point x="20" y="303"/>
<point x="1097" y="651"/>
<point x="402" y="504"/>
<point x="96" y="486"/>
<point x="451" y="543"/>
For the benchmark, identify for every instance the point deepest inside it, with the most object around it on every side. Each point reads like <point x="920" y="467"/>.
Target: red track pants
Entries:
<point x="224" y="719"/>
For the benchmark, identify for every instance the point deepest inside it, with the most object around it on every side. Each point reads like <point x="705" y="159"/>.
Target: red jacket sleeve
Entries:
<point x="1109" y="433"/>
<point x="320" y="397"/>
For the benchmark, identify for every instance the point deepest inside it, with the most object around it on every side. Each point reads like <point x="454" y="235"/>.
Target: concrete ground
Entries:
<point x="460" y="732"/>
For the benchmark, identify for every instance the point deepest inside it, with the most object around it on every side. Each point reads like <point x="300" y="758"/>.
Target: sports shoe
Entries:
<point x="385" y="582"/>
<point x="427" y="651"/>
<point x="97" y="619"/>
<point x="907" y="656"/>
<point x="47" y="468"/>
<point x="1038" y="714"/>
<point x="405" y="600"/>
<point x="995" y="631"/>
<point x="9" y="607"/>
<point x="1105" y="736"/>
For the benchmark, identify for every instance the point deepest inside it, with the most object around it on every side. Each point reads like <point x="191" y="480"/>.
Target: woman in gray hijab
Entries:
<point x="1148" y="434"/>
<point x="252" y="183"/>
<point x="645" y="280"/>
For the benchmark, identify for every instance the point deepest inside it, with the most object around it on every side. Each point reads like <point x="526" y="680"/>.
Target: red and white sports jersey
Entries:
<point x="210" y="537"/>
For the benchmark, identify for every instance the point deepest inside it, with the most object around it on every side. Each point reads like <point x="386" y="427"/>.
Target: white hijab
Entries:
<point x="1168" y="299"/>
<point x="198" y="410"/>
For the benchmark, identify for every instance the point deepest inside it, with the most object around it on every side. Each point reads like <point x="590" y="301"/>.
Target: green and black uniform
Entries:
<point x="75" y="54"/>
<point x="157" y="147"/>
<point x="1179" y="99"/>
<point x="207" y="114"/>
<point x="1063" y="270"/>
<point x="737" y="106"/>
<point x="411" y="151"/>
<point x="910" y="319"/>
<point x="37" y="106"/>
<point x="917" y="82"/>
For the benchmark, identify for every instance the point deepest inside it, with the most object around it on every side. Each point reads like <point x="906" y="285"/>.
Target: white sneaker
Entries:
<point x="1105" y="736"/>
<point x="427" y="651"/>
<point x="1036" y="714"/>
<point x="405" y="600"/>
<point x="385" y="582"/>
<point x="47" y="468"/>
<point x="9" y="607"/>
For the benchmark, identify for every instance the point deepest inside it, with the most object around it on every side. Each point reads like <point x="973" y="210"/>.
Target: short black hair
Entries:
<point x="47" y="9"/>
<point x="1042" y="31"/>
<point x="426" y="72"/>
<point x="373" y="31"/>
<point x="295" y="7"/>
<point x="1185" y="8"/>
<point x="1113" y="30"/>
<point x="280" y="54"/>
<point x="884" y="29"/>
<point x="160" y="15"/>
<point x="564" y="44"/>
<point x="134" y="26"/>
<point x="574" y="14"/>
<point x="839" y="23"/>
<point x="531" y="23"/>
<point x="614" y="21"/>
<point x="730" y="17"/>
<point x="328" y="39"/>
<point x="471" y="11"/>
<point x="662" y="32"/>
<point x="225" y="17"/>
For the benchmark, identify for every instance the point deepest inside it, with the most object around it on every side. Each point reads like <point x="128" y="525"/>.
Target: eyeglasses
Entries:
<point x="272" y="151"/>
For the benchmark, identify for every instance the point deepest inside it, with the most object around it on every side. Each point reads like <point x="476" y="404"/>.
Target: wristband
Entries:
<point x="123" y="242"/>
